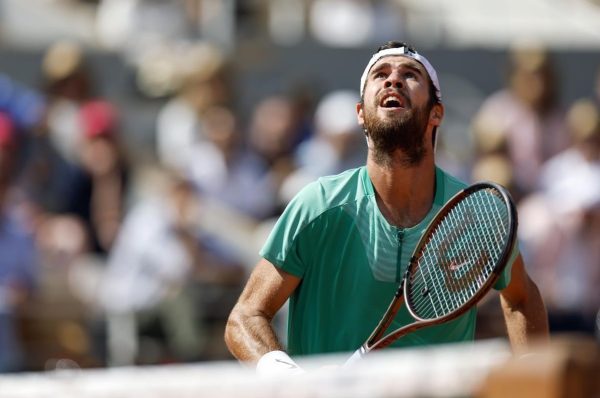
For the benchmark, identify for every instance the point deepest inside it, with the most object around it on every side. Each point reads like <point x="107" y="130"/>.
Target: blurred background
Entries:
<point x="147" y="146"/>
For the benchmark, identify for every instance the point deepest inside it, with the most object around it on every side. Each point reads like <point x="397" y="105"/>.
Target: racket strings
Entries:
<point x="460" y="255"/>
<point x="465" y="215"/>
<point x="467" y="254"/>
<point x="437" y="279"/>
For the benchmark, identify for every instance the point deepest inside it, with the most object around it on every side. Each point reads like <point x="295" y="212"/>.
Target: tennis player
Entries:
<point x="343" y="243"/>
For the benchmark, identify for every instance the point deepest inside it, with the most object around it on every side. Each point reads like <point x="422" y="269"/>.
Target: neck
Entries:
<point x="404" y="194"/>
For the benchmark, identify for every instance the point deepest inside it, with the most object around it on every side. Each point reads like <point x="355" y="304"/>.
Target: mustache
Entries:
<point x="399" y="92"/>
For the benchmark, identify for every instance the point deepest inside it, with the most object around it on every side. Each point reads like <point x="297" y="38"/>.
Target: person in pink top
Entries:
<point x="523" y="121"/>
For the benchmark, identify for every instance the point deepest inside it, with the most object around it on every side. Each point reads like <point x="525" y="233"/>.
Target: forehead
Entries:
<point x="396" y="61"/>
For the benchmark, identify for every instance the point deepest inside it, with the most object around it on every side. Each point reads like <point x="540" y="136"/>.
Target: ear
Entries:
<point x="360" y="114"/>
<point x="436" y="115"/>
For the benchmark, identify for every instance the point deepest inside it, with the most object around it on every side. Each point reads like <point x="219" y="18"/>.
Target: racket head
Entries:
<point x="461" y="254"/>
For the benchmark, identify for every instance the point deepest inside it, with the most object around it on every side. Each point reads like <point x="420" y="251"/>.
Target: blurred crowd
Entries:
<point x="108" y="258"/>
<point x="112" y="259"/>
<point x="548" y="155"/>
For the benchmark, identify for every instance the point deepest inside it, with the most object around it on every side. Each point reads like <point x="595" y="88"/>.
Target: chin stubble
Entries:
<point x="405" y="135"/>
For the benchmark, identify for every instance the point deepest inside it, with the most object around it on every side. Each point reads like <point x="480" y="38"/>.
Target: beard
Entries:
<point x="405" y="134"/>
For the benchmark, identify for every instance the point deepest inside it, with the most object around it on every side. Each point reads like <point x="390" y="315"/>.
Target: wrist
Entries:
<point x="277" y="363"/>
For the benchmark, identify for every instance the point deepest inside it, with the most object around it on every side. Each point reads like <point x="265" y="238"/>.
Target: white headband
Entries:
<point x="405" y="51"/>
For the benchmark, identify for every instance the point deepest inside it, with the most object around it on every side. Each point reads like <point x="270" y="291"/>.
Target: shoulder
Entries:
<point x="332" y="191"/>
<point x="316" y="205"/>
<point x="449" y="183"/>
<point x="322" y="197"/>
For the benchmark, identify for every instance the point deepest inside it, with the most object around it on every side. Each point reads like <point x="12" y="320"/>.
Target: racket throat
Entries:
<point x="387" y="319"/>
<point x="400" y="236"/>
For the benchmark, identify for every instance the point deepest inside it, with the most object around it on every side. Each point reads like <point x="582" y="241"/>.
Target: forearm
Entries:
<point x="250" y="335"/>
<point x="526" y="319"/>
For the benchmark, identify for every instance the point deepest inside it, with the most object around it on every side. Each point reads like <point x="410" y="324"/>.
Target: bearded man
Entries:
<point x="343" y="243"/>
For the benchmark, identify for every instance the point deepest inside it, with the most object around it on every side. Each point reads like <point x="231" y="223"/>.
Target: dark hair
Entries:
<point x="395" y="44"/>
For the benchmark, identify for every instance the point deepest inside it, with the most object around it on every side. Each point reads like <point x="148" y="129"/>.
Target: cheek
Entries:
<point x="419" y="93"/>
<point x="370" y="94"/>
<point x="370" y="104"/>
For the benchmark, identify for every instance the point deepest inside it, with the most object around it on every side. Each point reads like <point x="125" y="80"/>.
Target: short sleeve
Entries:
<point x="281" y="247"/>
<point x="504" y="279"/>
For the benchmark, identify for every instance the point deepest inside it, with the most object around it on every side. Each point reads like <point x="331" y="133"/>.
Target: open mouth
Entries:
<point x="392" y="101"/>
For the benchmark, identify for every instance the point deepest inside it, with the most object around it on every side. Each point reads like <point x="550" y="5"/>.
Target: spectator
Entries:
<point x="18" y="262"/>
<point x="561" y="225"/>
<point x="91" y="206"/>
<point x="524" y="120"/>
<point x="203" y="83"/>
<point x="273" y="136"/>
<point x="75" y="182"/>
<point x="335" y="124"/>
<point x="67" y="83"/>
<point x="58" y="185"/>
<point x="337" y="145"/>
<point x="224" y="170"/>
<point x="160" y="276"/>
<point x="64" y="157"/>
<point x="103" y="159"/>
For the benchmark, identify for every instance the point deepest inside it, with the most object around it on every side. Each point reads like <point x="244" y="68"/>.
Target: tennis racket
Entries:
<point x="459" y="258"/>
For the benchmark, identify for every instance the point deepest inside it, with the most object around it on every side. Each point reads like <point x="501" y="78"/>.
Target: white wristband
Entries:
<point x="277" y="363"/>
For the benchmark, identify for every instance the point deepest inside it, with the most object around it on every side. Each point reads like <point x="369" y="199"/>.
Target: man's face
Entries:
<point x="395" y="109"/>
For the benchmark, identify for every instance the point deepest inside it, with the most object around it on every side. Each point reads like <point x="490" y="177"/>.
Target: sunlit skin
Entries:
<point x="405" y="189"/>
<point x="398" y="76"/>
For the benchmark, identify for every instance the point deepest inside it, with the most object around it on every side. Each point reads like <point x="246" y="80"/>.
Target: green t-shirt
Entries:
<point x="350" y="259"/>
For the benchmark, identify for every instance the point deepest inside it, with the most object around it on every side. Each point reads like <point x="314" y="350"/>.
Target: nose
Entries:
<point x="394" y="80"/>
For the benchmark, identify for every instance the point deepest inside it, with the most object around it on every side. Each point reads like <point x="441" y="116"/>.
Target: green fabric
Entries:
<point x="350" y="259"/>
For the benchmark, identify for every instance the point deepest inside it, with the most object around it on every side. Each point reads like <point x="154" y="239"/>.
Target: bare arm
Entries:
<point x="248" y="333"/>
<point x="524" y="310"/>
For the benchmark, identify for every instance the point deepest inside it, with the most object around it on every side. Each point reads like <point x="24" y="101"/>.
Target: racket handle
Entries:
<point x="357" y="356"/>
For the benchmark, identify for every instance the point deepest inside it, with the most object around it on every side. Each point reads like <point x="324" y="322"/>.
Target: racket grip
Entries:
<point x="357" y="356"/>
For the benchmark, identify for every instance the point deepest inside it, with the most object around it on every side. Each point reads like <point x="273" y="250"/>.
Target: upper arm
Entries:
<point x="267" y="290"/>
<point x="519" y="287"/>
<point x="523" y="308"/>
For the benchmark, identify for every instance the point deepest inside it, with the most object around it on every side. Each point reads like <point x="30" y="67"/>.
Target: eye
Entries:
<point x="410" y="75"/>
<point x="379" y="75"/>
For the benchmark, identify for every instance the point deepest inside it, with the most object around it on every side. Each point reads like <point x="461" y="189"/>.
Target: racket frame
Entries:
<point x="377" y="340"/>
